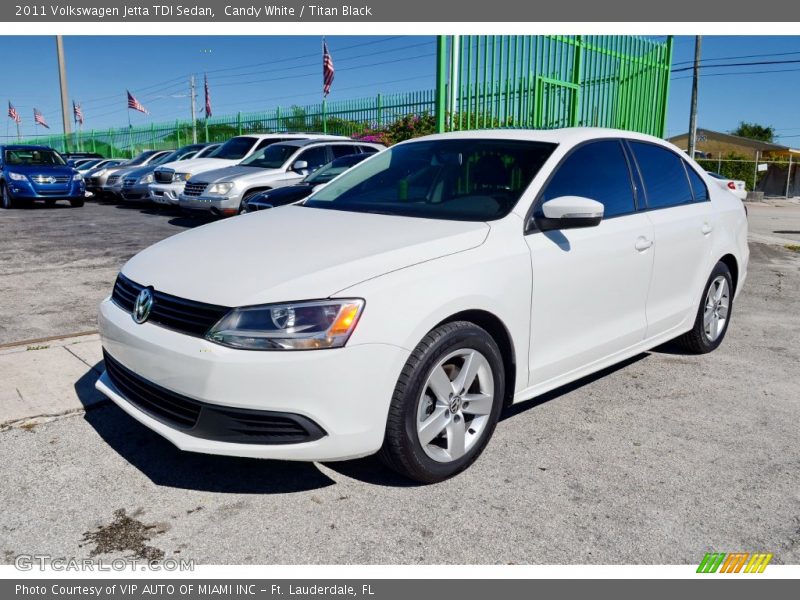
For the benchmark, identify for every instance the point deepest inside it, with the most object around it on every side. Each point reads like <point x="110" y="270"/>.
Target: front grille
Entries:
<point x="178" y="314"/>
<point x="112" y="179"/>
<point x="194" y="188"/>
<point x="210" y="421"/>
<point x="154" y="400"/>
<point x="129" y="182"/>
<point x="163" y="176"/>
<point x="47" y="179"/>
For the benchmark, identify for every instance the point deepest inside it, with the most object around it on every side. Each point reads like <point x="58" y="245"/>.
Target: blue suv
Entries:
<point x="29" y="173"/>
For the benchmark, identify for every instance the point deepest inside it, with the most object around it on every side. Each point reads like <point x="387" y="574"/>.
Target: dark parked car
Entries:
<point x="294" y="193"/>
<point x="29" y="173"/>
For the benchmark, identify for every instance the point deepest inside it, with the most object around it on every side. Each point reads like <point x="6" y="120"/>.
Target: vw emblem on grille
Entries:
<point x="143" y="305"/>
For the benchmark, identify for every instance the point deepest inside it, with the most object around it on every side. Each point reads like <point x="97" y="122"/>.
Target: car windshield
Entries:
<point x="142" y="158"/>
<point x="333" y="169"/>
<point x="468" y="179"/>
<point x="235" y="148"/>
<point x="207" y="151"/>
<point x="34" y="156"/>
<point x="88" y="164"/>
<point x="271" y="157"/>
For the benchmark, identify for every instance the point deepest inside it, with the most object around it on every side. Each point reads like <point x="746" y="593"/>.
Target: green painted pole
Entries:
<point x="667" y="71"/>
<point x="239" y="122"/>
<point x="441" y="83"/>
<point x="324" y="115"/>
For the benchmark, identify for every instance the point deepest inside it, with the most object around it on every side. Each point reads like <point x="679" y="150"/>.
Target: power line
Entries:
<point x="740" y="73"/>
<point x="741" y="64"/>
<point x="705" y="60"/>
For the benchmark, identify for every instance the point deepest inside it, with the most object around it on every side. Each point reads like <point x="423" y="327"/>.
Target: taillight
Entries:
<point x="731" y="185"/>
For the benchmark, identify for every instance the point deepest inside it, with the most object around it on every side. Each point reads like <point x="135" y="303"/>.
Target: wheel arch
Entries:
<point x="729" y="260"/>
<point x="502" y="337"/>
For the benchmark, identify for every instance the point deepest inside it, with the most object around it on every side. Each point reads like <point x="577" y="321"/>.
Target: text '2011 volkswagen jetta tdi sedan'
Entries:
<point x="401" y="306"/>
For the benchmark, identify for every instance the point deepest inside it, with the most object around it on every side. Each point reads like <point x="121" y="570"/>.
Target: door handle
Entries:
<point x="706" y="229"/>
<point x="642" y="243"/>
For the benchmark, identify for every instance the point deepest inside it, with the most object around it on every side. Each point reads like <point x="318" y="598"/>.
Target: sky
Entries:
<point x="258" y="73"/>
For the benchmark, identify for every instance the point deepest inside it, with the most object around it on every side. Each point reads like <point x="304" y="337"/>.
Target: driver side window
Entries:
<point x="599" y="171"/>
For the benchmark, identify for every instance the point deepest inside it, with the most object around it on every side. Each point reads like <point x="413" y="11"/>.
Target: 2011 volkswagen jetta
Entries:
<point x="400" y="307"/>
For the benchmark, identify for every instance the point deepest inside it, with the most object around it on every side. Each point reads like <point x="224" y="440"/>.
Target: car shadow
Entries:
<point x="526" y="405"/>
<point x="189" y="221"/>
<point x="165" y="465"/>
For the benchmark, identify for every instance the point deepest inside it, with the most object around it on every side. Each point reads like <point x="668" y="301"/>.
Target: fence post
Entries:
<point x="178" y="132"/>
<point x="380" y="111"/>
<point x="205" y="129"/>
<point x="153" y="135"/>
<point x="111" y="141"/>
<point x="441" y="83"/>
<point x="239" y="122"/>
<point x="94" y="141"/>
<point x="789" y="175"/>
<point x="324" y="115"/>
<point x="755" y="171"/>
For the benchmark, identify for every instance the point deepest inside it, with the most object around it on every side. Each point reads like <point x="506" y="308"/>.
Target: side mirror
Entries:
<point x="569" y="212"/>
<point x="300" y="165"/>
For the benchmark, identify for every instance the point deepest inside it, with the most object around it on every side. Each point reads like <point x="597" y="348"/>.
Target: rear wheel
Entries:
<point x="446" y="403"/>
<point x="713" y="314"/>
<point x="76" y="202"/>
<point x="5" y="196"/>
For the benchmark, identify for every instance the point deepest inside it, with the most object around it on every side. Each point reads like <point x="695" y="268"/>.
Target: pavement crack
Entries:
<point x="92" y="367"/>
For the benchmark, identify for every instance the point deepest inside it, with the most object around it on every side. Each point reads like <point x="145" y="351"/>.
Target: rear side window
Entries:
<point x="599" y="171"/>
<point x="699" y="188"/>
<point x="663" y="174"/>
<point x="344" y="150"/>
<point x="315" y="157"/>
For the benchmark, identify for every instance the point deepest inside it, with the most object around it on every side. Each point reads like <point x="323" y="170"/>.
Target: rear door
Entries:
<point x="679" y="208"/>
<point x="589" y="285"/>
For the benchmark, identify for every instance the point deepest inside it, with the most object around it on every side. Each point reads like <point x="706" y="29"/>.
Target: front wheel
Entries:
<point x="446" y="403"/>
<point x="76" y="202"/>
<point x="713" y="314"/>
<point x="5" y="196"/>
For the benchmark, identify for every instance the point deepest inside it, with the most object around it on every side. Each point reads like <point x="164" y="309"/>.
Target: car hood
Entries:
<point x="32" y="170"/>
<point x="238" y="173"/>
<point x="294" y="253"/>
<point x="196" y="165"/>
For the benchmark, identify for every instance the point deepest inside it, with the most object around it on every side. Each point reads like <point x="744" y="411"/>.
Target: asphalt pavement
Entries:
<point x="658" y="460"/>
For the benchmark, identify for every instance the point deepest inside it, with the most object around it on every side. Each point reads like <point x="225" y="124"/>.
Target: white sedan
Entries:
<point x="398" y="309"/>
<point x="736" y="186"/>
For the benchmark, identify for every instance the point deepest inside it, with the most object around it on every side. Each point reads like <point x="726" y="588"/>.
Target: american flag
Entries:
<point x="136" y="105"/>
<point x="208" y="98"/>
<point x="327" y="70"/>
<point x="38" y="118"/>
<point x="13" y="114"/>
<point x="78" y="112"/>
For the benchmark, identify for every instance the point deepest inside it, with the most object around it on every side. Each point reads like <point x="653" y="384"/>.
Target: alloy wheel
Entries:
<point x="455" y="404"/>
<point x="715" y="314"/>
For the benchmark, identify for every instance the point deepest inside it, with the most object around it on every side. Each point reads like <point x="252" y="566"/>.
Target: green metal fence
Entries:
<point x="346" y="117"/>
<point x="553" y="81"/>
<point x="481" y="81"/>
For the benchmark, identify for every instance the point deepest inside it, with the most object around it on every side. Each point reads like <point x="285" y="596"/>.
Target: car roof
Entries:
<point x="566" y="135"/>
<point x="25" y="147"/>
<point x="312" y="141"/>
<point x="293" y="135"/>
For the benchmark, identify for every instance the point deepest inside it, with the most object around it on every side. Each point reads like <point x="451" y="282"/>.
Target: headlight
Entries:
<point x="181" y="176"/>
<point x="146" y="178"/>
<point x="77" y="177"/>
<point x="298" y="326"/>
<point x="220" y="189"/>
<point x="17" y="176"/>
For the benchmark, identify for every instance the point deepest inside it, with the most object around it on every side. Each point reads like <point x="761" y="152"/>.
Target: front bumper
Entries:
<point x="136" y="193"/>
<point x="165" y="193"/>
<point x="26" y="190"/>
<point x="346" y="391"/>
<point x="219" y="205"/>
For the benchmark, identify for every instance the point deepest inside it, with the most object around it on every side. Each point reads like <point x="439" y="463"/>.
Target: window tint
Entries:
<point x="598" y="171"/>
<point x="699" y="188"/>
<point x="344" y="150"/>
<point x="664" y="176"/>
<point x="315" y="157"/>
<point x="368" y="149"/>
<point x="268" y="141"/>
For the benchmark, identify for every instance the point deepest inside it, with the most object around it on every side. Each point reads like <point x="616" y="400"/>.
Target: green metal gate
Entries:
<point x="553" y="81"/>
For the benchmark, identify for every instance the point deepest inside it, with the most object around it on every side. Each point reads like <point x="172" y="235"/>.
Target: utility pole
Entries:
<point x="62" y="78"/>
<point x="194" y="109"/>
<point x="698" y="39"/>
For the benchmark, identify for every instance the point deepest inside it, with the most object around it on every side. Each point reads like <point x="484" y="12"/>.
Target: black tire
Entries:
<point x="6" y="201"/>
<point x="696" y="340"/>
<point x="402" y="450"/>
<point x="245" y="198"/>
<point x="77" y="202"/>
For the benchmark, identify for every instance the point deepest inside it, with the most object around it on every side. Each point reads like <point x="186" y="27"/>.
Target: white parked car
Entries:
<point x="169" y="179"/>
<point x="224" y="191"/>
<point x="399" y="308"/>
<point x="736" y="186"/>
